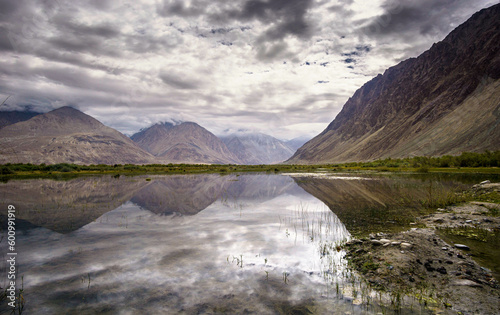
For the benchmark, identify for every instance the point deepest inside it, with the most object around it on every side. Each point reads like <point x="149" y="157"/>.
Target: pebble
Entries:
<point x="444" y="248"/>
<point x="484" y="182"/>
<point x="395" y="243"/>
<point x="384" y="240"/>
<point x="377" y="243"/>
<point x="462" y="246"/>
<point x="467" y="283"/>
<point x="468" y="221"/>
<point x="406" y="245"/>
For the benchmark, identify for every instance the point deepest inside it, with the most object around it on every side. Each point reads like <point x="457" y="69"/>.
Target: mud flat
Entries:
<point x="418" y="264"/>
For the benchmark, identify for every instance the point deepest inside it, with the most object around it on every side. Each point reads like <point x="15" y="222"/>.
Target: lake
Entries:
<point x="204" y="244"/>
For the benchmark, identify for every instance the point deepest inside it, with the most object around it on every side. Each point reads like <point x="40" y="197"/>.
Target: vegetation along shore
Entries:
<point x="426" y="263"/>
<point x="487" y="162"/>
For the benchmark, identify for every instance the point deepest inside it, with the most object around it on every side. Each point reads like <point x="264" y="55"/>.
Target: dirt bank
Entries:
<point x="418" y="263"/>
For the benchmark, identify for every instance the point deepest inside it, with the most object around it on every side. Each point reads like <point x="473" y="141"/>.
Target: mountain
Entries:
<point x="296" y="143"/>
<point x="66" y="135"/>
<point x="257" y="148"/>
<point x="11" y="117"/>
<point x="445" y="101"/>
<point x="187" y="142"/>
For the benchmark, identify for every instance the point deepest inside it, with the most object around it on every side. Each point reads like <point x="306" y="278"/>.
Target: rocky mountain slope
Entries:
<point x="187" y="142"/>
<point x="66" y="135"/>
<point x="11" y="117"/>
<point x="257" y="148"/>
<point x="445" y="101"/>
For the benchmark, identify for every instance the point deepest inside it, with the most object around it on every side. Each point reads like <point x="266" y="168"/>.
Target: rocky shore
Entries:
<point x="420" y="264"/>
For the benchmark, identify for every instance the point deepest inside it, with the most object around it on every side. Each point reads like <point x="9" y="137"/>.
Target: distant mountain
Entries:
<point x="445" y="101"/>
<point x="11" y="117"/>
<point x="151" y="139"/>
<point x="257" y="148"/>
<point x="66" y="135"/>
<point x="187" y="142"/>
<point x="296" y="143"/>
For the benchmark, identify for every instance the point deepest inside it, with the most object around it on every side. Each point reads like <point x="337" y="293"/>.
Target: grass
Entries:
<point x="467" y="162"/>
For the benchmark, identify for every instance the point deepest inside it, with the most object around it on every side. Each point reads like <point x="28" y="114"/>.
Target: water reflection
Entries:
<point x="387" y="204"/>
<point x="255" y="243"/>
<point x="65" y="206"/>
<point x="194" y="244"/>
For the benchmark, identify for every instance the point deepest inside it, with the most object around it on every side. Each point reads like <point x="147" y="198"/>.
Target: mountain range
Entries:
<point x="66" y="135"/>
<point x="445" y="101"/>
<point x="186" y="142"/>
<point x="257" y="148"/>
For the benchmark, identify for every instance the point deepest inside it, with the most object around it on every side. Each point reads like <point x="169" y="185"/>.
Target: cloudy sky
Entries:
<point x="281" y="67"/>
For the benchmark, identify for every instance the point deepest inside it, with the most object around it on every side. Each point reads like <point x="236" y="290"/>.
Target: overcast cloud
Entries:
<point x="282" y="67"/>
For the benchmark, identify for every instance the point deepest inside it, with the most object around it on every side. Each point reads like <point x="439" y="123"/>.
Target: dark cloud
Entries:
<point x="79" y="30"/>
<point x="272" y="51"/>
<point x="285" y="17"/>
<point x="177" y="81"/>
<point x="428" y="17"/>
<point x="178" y="7"/>
<point x="5" y="42"/>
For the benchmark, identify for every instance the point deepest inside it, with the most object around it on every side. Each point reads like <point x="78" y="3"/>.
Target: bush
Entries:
<point x="5" y="170"/>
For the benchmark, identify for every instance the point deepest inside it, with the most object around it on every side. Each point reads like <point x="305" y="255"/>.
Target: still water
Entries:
<point x="196" y="244"/>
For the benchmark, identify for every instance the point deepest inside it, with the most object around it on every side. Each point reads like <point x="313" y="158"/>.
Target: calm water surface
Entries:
<point x="263" y="244"/>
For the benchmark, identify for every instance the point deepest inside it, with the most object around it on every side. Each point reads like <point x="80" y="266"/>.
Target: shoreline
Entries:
<point x="419" y="263"/>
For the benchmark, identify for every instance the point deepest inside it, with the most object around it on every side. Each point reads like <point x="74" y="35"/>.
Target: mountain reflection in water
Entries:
<point x="198" y="243"/>
<point x="192" y="244"/>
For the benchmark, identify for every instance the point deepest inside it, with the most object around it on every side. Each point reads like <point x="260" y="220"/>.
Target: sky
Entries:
<point x="280" y="67"/>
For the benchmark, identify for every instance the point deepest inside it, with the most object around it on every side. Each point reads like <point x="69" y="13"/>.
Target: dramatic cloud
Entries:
<point x="283" y="67"/>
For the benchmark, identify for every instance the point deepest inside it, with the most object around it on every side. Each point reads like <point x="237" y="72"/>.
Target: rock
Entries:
<point x="395" y="243"/>
<point x="467" y="283"/>
<point x="429" y="268"/>
<point x="444" y="248"/>
<point x="440" y="209"/>
<point x="406" y="245"/>
<point x="439" y="220"/>
<point x="486" y="270"/>
<point x="442" y="270"/>
<point x="385" y="241"/>
<point x="462" y="246"/>
<point x="484" y="182"/>
<point x="372" y="236"/>
<point x="468" y="221"/>
<point x="377" y="242"/>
